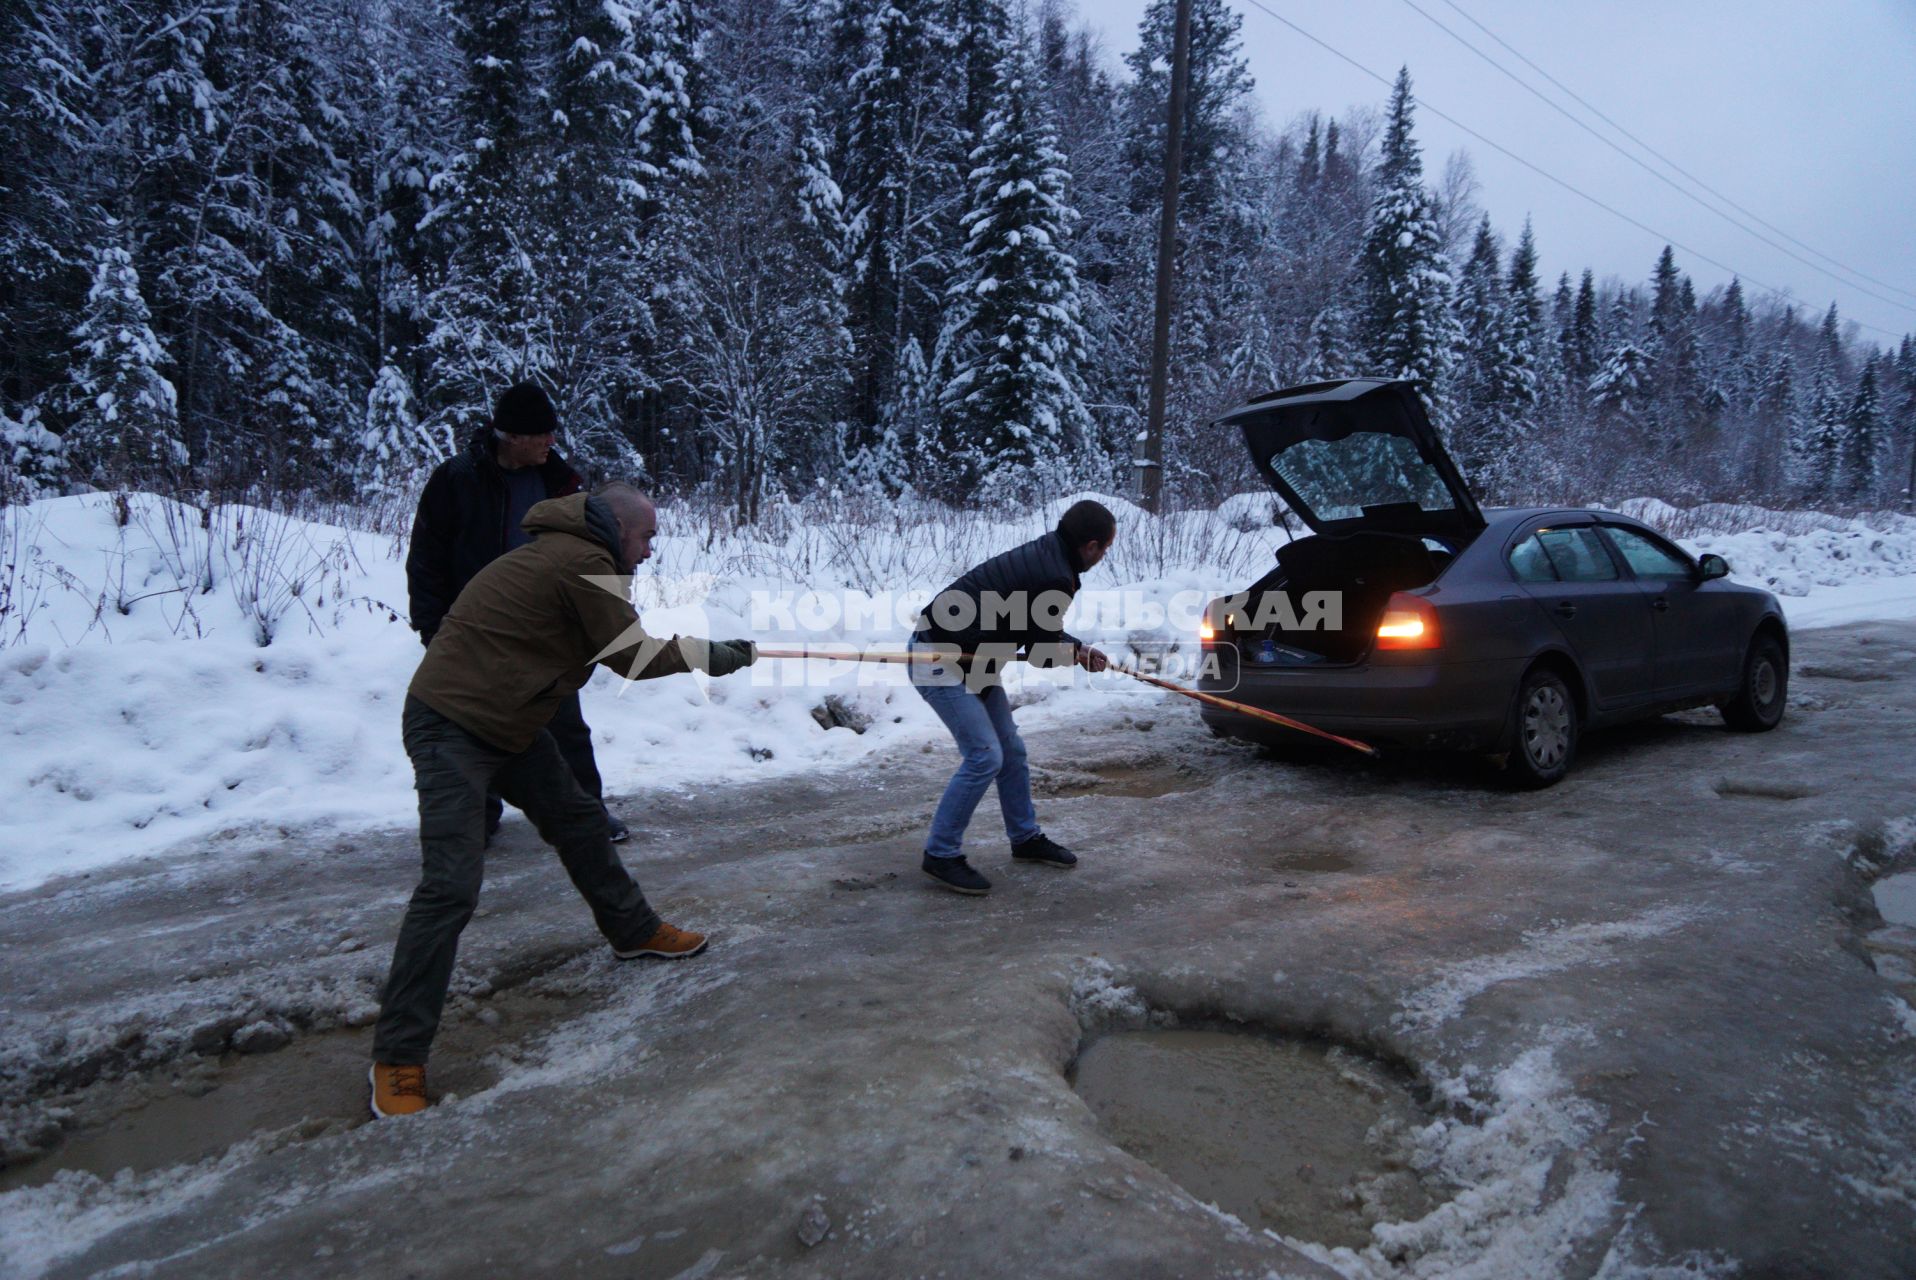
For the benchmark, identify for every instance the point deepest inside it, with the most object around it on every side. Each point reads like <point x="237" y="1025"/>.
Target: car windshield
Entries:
<point x="1341" y="479"/>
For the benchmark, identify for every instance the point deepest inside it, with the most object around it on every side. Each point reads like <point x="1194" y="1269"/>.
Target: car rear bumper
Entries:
<point x="1459" y="706"/>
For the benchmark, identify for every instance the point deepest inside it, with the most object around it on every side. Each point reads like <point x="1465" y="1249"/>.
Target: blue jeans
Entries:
<point x="993" y="752"/>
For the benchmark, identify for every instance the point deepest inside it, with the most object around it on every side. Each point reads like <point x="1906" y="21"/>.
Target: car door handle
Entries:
<point x="1565" y="609"/>
<point x="1661" y="604"/>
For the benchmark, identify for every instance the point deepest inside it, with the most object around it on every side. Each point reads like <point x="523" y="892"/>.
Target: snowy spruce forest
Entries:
<point x="766" y="250"/>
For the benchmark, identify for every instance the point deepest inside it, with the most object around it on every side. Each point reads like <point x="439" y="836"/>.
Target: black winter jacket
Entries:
<point x="461" y="526"/>
<point x="1013" y="602"/>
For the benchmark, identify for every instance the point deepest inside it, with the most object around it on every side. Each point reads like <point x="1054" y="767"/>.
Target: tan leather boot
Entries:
<point x="397" y="1090"/>
<point x="668" y="942"/>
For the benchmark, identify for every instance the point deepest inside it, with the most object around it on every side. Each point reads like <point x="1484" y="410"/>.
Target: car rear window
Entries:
<point x="1577" y="555"/>
<point x="1340" y="479"/>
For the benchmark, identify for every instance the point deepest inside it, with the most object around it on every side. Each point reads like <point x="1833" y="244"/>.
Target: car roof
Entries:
<point x="1507" y="517"/>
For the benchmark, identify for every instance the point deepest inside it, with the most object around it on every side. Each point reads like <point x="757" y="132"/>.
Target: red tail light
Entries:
<point x="1409" y="622"/>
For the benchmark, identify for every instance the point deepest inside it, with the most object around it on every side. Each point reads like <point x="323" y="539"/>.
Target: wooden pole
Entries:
<point x="1149" y="461"/>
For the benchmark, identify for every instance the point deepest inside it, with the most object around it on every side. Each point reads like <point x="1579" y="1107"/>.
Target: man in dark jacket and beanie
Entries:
<point x="470" y="514"/>
<point x="1011" y="606"/>
<point x="517" y="644"/>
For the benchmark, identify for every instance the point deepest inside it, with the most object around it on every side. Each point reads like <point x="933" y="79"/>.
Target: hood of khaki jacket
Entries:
<point x="564" y="515"/>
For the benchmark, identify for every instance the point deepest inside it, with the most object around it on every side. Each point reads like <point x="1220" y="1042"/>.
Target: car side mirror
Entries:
<point x="1713" y="565"/>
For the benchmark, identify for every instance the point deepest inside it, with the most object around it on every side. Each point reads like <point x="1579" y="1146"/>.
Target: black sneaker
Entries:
<point x="956" y="875"/>
<point x="1043" y="849"/>
<point x="620" y="832"/>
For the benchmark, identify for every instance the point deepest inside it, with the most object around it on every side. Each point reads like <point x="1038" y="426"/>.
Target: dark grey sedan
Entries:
<point x="1504" y="632"/>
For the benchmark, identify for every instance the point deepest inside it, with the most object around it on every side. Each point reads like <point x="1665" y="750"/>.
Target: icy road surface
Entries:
<point x="1659" y="1025"/>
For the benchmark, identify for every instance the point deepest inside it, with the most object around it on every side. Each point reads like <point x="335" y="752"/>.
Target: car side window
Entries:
<point x="1648" y="559"/>
<point x="1577" y="555"/>
<point x="1530" y="562"/>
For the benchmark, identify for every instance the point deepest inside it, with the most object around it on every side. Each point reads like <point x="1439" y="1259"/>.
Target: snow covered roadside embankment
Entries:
<point x="172" y="675"/>
<point x="1827" y="570"/>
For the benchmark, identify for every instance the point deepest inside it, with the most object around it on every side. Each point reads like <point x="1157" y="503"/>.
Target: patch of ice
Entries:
<point x="1544" y="951"/>
<point x="607" y="1040"/>
<point x="1530" y="1191"/>
<point x="1905" y="1017"/>
<point x="43" y="1226"/>
<point x="1895" y="1195"/>
<point x="1101" y="1003"/>
<point x="1899" y="841"/>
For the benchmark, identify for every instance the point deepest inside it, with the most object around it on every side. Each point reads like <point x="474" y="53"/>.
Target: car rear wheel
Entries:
<point x="1546" y="730"/>
<point x="1758" y="704"/>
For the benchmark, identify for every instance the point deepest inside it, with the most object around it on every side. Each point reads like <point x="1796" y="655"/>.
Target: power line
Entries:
<point x="1664" y="179"/>
<point x="1861" y="275"/>
<point x="1545" y="174"/>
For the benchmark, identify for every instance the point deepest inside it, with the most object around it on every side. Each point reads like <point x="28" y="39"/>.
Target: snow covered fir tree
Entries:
<point x="1410" y="327"/>
<point x="764" y="248"/>
<point x="1014" y="403"/>
<point x="124" y="412"/>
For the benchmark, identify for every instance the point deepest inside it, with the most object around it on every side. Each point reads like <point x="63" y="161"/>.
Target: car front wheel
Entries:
<point x="1758" y="703"/>
<point x="1546" y="731"/>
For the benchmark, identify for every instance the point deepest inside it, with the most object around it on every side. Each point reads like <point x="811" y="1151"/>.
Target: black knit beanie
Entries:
<point x="524" y="410"/>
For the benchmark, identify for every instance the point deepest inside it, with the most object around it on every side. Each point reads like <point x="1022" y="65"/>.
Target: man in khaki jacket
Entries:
<point x="521" y="639"/>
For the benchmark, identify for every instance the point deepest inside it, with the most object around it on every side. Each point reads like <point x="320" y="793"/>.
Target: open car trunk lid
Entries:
<point x="1359" y="455"/>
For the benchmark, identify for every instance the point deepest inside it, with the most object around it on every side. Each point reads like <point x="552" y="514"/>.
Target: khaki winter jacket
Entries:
<point x="525" y="632"/>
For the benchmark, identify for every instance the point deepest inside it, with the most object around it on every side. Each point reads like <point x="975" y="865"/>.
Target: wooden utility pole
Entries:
<point x="1149" y="462"/>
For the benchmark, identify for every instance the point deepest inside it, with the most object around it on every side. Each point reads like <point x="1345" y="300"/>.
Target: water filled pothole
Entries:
<point x="1311" y="1141"/>
<point x="195" y="1108"/>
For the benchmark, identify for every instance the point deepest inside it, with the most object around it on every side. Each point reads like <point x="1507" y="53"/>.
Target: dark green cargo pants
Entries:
<point x="452" y="770"/>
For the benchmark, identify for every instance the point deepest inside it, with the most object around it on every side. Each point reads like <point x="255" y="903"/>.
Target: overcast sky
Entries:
<point x="1802" y="113"/>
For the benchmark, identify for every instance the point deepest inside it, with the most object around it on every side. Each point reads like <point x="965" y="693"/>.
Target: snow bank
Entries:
<point x="225" y="679"/>
<point x="1799" y="555"/>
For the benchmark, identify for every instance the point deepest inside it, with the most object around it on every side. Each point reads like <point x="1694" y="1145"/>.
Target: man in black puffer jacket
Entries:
<point x="469" y="516"/>
<point x="1010" y="606"/>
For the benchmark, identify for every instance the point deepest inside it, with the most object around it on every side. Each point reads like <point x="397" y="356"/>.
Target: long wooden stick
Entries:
<point x="1245" y="709"/>
<point x="851" y="655"/>
<point x="1210" y="699"/>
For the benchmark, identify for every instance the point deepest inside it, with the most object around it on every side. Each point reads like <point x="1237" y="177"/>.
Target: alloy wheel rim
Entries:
<point x="1546" y="727"/>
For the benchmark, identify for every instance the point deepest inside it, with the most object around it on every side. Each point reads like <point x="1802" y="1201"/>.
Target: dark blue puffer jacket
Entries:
<point x="1011" y="604"/>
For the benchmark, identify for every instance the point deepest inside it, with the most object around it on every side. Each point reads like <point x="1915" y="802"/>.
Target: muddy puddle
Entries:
<point x="196" y="1108"/>
<point x="1306" y="1140"/>
<point x="1134" y="781"/>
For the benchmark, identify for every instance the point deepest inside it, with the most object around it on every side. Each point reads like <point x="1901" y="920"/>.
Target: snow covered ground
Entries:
<point x="223" y="678"/>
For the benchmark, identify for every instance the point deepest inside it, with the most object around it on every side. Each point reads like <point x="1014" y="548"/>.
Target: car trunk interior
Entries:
<point x="1365" y="567"/>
